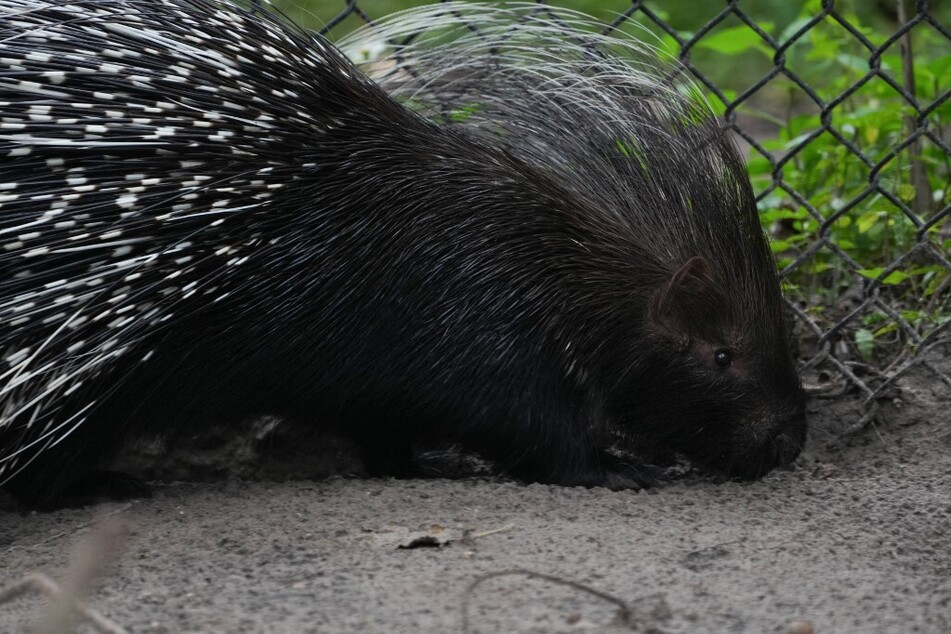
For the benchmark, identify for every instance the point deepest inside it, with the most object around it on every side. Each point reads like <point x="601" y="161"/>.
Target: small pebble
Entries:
<point x="800" y="627"/>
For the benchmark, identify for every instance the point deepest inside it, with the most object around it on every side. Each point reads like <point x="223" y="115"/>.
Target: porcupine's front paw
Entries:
<point x="620" y="475"/>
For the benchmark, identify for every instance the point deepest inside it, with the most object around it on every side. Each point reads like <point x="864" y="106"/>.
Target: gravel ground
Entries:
<point x="855" y="538"/>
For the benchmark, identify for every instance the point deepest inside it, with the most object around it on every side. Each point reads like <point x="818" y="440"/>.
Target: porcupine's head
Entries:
<point x="678" y="332"/>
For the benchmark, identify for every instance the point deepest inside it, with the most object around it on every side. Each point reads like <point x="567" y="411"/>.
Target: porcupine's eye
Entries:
<point x="723" y="358"/>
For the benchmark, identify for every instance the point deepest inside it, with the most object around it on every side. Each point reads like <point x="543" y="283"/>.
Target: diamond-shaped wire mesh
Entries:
<point x="864" y="315"/>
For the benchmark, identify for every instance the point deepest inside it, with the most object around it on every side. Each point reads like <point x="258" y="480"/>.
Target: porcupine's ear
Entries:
<point x="681" y="300"/>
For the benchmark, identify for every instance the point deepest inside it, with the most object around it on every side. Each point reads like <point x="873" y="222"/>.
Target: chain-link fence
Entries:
<point x="847" y="130"/>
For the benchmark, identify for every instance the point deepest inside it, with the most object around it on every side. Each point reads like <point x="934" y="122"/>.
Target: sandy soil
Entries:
<point x="855" y="538"/>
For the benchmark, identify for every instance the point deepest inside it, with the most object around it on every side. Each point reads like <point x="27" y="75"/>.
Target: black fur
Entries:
<point x="531" y="292"/>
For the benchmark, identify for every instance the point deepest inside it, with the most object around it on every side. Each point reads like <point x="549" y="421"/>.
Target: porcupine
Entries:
<point x="520" y="238"/>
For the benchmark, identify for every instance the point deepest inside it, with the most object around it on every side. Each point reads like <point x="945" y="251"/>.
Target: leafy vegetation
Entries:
<point x="844" y="170"/>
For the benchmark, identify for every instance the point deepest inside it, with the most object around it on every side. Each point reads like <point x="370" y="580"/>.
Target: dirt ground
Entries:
<point x="855" y="538"/>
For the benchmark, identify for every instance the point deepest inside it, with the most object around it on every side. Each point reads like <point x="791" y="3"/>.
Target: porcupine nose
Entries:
<point x="777" y="441"/>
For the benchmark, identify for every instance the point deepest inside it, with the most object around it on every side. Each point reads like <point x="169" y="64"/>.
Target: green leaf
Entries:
<point x="912" y="316"/>
<point x="854" y="62"/>
<point x="868" y="220"/>
<point x="906" y="192"/>
<point x="865" y="342"/>
<point x="884" y="330"/>
<point x="737" y="39"/>
<point x="759" y="165"/>
<point x="793" y="27"/>
<point x="465" y="112"/>
<point x="895" y="277"/>
<point x="778" y="246"/>
<point x="941" y="66"/>
<point x="935" y="283"/>
<point x="871" y="273"/>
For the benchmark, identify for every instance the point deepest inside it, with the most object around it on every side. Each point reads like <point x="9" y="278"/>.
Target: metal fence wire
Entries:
<point x="859" y="326"/>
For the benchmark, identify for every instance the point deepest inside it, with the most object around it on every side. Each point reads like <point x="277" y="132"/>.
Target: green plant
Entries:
<point x="844" y="173"/>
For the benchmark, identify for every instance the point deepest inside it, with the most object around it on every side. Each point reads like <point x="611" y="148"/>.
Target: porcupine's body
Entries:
<point x="206" y="215"/>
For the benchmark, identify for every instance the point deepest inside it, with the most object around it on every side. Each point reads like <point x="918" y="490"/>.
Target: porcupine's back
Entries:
<point x="209" y="214"/>
<point x="146" y="145"/>
<point x="600" y="114"/>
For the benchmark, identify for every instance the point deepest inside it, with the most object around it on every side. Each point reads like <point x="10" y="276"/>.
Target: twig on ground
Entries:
<point x="624" y="615"/>
<point x="90" y="558"/>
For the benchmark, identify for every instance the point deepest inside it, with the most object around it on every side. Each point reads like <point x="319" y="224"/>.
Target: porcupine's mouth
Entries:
<point x="753" y="455"/>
